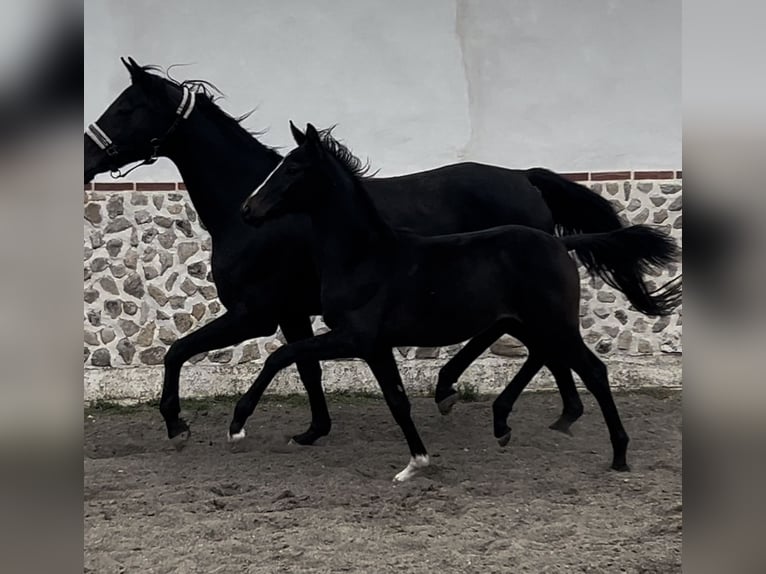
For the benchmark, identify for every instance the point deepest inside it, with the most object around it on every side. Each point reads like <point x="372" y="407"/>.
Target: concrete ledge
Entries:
<point x="488" y="375"/>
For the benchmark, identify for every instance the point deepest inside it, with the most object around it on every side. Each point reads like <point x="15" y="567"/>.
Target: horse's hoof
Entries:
<point x="445" y="405"/>
<point x="179" y="433"/>
<point x="307" y="438"/>
<point x="181" y="439"/>
<point x="621" y="467"/>
<point x="562" y="425"/>
<point x="505" y="439"/>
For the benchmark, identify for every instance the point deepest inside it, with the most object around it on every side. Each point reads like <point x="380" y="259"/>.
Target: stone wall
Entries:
<point x="147" y="283"/>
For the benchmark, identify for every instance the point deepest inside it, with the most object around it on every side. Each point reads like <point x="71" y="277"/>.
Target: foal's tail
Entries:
<point x="622" y="257"/>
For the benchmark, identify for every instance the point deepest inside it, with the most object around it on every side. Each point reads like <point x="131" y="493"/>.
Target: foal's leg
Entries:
<point x="228" y="329"/>
<point x="573" y="408"/>
<point x="503" y="404"/>
<point x="331" y="345"/>
<point x="594" y="375"/>
<point x="446" y="395"/>
<point x="384" y="368"/>
<point x="297" y="329"/>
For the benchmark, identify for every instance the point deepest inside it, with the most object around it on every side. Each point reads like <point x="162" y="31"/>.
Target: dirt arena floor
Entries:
<point x="545" y="503"/>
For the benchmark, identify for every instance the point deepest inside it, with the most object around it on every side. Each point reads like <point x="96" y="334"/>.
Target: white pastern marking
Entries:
<point x="268" y="177"/>
<point x="415" y="464"/>
<point x="236" y="437"/>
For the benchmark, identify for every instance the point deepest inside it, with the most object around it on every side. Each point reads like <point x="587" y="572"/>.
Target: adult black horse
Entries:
<point x="383" y="288"/>
<point x="266" y="278"/>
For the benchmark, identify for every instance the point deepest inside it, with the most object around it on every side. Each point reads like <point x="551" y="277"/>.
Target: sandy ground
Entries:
<point x="545" y="503"/>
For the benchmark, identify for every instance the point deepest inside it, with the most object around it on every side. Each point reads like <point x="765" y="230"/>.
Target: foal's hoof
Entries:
<point x="416" y="463"/>
<point x="236" y="437"/>
<point x="180" y="434"/>
<point x="620" y="466"/>
<point x="562" y="425"/>
<point x="445" y="405"/>
<point x="505" y="439"/>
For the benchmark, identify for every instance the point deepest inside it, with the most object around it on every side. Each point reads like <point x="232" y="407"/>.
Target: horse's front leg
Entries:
<point x="332" y="345"/>
<point x="229" y="329"/>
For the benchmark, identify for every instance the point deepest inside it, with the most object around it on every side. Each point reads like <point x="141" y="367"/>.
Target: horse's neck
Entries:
<point x="220" y="169"/>
<point x="348" y="229"/>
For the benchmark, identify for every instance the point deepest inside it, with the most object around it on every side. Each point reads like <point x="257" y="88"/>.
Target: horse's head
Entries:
<point x="292" y="186"/>
<point x="135" y="125"/>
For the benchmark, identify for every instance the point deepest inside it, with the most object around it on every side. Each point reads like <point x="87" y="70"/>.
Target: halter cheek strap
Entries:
<point x="101" y="139"/>
<point x="187" y="103"/>
<point x="105" y="143"/>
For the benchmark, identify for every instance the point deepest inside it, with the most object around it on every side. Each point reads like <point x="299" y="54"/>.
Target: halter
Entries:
<point x="105" y="143"/>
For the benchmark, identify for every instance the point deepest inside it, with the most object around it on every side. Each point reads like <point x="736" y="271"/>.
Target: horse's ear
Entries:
<point x="313" y="140"/>
<point x="312" y="133"/>
<point x="298" y="135"/>
<point x="137" y="73"/>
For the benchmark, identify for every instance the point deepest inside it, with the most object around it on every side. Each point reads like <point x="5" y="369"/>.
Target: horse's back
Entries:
<point x="459" y="198"/>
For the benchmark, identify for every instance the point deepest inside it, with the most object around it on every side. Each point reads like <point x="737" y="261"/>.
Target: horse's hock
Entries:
<point x="148" y="282"/>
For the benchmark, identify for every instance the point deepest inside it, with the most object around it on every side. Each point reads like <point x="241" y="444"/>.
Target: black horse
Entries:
<point x="266" y="278"/>
<point x="383" y="287"/>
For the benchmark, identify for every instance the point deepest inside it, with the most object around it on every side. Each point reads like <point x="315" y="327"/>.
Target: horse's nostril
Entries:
<point x="245" y="210"/>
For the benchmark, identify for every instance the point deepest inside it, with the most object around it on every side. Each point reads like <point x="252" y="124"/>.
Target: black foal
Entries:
<point x="383" y="288"/>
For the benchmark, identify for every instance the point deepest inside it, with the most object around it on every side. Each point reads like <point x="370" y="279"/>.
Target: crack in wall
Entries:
<point x="461" y="10"/>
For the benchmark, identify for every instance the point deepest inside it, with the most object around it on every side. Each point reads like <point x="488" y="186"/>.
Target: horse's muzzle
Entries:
<point x="250" y="215"/>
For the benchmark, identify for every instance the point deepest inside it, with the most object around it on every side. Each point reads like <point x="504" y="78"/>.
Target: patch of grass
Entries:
<point x="468" y="393"/>
<point x="207" y="403"/>
<point x="292" y="400"/>
<point x="352" y="398"/>
<point x="660" y="393"/>
<point x="103" y="406"/>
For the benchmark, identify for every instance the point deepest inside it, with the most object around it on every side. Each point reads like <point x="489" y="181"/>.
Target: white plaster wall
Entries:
<point x="587" y="85"/>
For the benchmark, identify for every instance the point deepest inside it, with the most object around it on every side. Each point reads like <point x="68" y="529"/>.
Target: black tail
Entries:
<point x="575" y="208"/>
<point x="622" y="257"/>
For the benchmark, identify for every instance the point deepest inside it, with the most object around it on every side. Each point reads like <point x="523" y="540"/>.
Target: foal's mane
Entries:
<point x="344" y="155"/>
<point x="359" y="171"/>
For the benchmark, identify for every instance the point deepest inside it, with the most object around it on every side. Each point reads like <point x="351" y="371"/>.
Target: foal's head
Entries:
<point x="295" y="185"/>
<point x="142" y="119"/>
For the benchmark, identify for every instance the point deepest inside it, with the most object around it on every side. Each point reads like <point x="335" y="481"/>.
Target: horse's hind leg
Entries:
<point x="503" y="404"/>
<point x="446" y="395"/>
<point x="573" y="408"/>
<point x="593" y="373"/>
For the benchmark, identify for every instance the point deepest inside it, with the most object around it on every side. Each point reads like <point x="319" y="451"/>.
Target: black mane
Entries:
<point x="344" y="155"/>
<point x="207" y="94"/>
